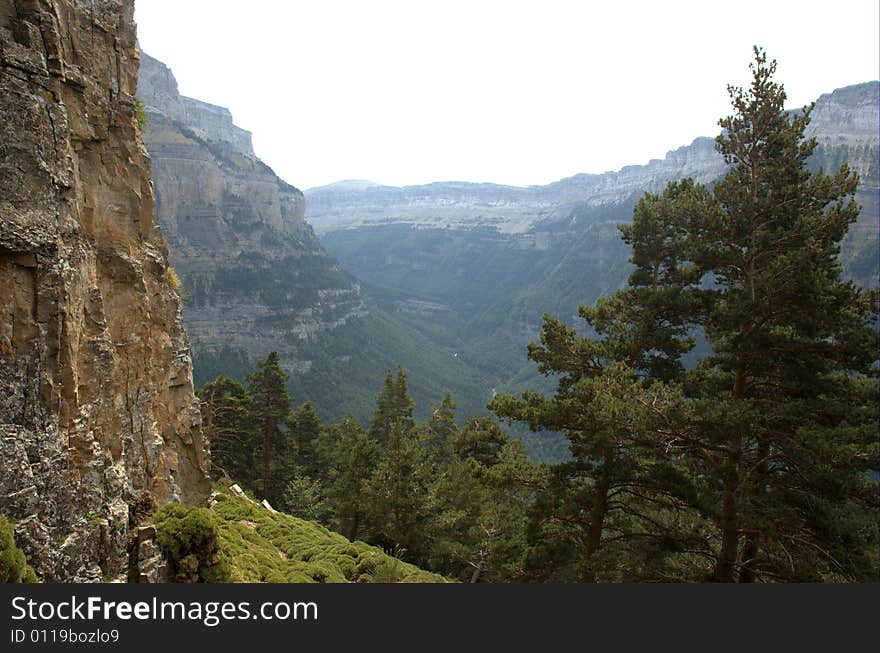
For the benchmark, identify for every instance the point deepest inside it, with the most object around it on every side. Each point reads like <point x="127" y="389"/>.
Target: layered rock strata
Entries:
<point x="256" y="278"/>
<point x="97" y="410"/>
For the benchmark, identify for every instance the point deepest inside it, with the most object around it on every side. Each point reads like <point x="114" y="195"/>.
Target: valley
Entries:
<point x="662" y="373"/>
<point x="475" y="266"/>
<point x="449" y="280"/>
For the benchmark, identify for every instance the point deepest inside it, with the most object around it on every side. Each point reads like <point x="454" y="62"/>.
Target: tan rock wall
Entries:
<point x="96" y="396"/>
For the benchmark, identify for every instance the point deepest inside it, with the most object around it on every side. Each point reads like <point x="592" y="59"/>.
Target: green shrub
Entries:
<point x="13" y="565"/>
<point x="305" y="498"/>
<point x="141" y="113"/>
<point x="189" y="538"/>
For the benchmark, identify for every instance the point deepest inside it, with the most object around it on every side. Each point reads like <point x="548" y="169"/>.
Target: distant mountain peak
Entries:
<point x="348" y="184"/>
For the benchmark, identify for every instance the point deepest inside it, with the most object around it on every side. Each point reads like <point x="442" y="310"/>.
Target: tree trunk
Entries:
<point x="752" y="545"/>
<point x="475" y="577"/>
<point x="267" y="459"/>
<point x="597" y="518"/>
<point x="724" y="569"/>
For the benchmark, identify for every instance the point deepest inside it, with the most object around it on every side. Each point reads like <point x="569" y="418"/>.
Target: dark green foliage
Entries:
<point x="270" y="410"/>
<point x="481" y="440"/>
<point x="306" y="427"/>
<point x="229" y="428"/>
<point x="396" y="492"/>
<point x="13" y="565"/>
<point x="440" y="430"/>
<point x="754" y="465"/>
<point x="255" y="437"/>
<point x="350" y="456"/>
<point x="477" y="522"/>
<point x="189" y="538"/>
<point x="393" y="407"/>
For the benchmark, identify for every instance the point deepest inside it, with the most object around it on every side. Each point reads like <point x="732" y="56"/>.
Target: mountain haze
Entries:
<point x="844" y="123"/>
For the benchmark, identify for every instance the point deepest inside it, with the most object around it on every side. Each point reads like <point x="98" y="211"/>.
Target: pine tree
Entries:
<point x="383" y="417"/>
<point x="788" y="382"/>
<point x="226" y="418"/>
<point x="604" y="388"/>
<point x="349" y="456"/>
<point x="477" y="516"/>
<point x="393" y="406"/>
<point x="440" y="430"/>
<point x="480" y="440"/>
<point x="306" y="426"/>
<point x="757" y="460"/>
<point x="396" y="492"/>
<point x="403" y="404"/>
<point x="270" y="410"/>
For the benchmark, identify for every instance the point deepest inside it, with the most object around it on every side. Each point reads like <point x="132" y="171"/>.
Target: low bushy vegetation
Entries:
<point x="13" y="565"/>
<point x="190" y="539"/>
<point x="260" y="546"/>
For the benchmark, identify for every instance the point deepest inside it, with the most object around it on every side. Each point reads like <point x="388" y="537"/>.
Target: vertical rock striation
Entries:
<point x="97" y="411"/>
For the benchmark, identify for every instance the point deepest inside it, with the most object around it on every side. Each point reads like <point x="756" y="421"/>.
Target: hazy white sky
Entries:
<point x="406" y="92"/>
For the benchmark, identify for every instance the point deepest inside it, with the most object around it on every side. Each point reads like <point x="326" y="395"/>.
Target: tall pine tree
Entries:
<point x="226" y="419"/>
<point x="393" y="406"/>
<point x="755" y="464"/>
<point x="270" y="409"/>
<point x="778" y="410"/>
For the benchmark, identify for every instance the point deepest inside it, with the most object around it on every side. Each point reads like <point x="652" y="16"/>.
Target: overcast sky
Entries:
<point x="406" y="92"/>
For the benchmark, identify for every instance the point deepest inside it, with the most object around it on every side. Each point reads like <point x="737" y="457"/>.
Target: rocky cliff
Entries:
<point x="98" y="419"/>
<point x="256" y="277"/>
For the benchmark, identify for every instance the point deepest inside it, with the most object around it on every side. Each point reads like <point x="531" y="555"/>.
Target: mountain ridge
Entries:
<point x="518" y="209"/>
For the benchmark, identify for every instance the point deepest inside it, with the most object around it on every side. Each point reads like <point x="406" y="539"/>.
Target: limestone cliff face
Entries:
<point x="257" y="280"/>
<point x="97" y="410"/>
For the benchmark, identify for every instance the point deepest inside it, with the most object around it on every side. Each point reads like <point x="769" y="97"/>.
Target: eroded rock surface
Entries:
<point x="96" y="394"/>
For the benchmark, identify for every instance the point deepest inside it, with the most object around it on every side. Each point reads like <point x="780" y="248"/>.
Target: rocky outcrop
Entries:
<point x="157" y="89"/>
<point x="256" y="277"/>
<point x="97" y="408"/>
